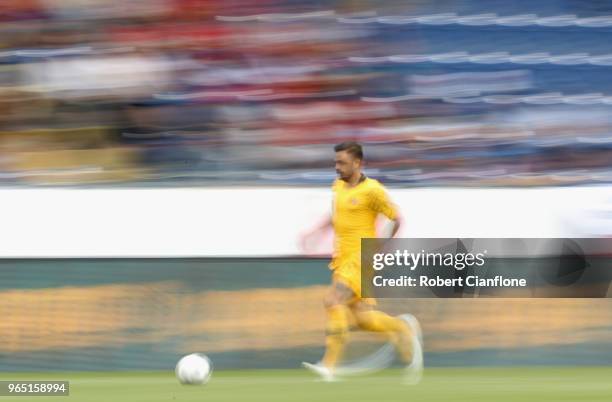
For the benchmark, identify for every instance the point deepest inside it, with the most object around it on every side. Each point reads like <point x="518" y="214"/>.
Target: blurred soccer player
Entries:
<point x="358" y="200"/>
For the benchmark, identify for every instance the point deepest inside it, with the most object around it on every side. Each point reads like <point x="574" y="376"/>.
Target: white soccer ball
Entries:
<point x="195" y="368"/>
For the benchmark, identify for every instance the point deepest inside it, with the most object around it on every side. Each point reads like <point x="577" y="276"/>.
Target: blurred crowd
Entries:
<point x="199" y="92"/>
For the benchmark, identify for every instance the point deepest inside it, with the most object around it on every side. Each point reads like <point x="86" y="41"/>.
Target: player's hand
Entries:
<point x="315" y="241"/>
<point x="303" y="242"/>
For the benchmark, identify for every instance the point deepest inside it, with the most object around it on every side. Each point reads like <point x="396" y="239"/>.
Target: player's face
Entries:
<point x="346" y="165"/>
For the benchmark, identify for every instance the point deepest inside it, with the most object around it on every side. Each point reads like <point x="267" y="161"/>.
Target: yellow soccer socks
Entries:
<point x="337" y="335"/>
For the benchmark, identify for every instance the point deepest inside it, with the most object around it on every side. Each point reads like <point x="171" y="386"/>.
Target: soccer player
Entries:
<point x="357" y="202"/>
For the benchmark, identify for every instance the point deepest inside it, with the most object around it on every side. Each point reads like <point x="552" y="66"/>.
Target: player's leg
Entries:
<point x="336" y="304"/>
<point x="404" y="332"/>
<point x="395" y="329"/>
<point x="414" y="371"/>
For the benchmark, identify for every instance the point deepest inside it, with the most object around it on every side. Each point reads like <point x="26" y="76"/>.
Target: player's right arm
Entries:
<point x="325" y="225"/>
<point x="317" y="231"/>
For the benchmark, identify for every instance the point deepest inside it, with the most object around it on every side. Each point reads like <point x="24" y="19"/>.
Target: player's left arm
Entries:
<point x="382" y="204"/>
<point x="397" y="222"/>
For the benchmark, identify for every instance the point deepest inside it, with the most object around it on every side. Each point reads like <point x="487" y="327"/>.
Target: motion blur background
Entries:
<point x="452" y="93"/>
<point x="199" y="92"/>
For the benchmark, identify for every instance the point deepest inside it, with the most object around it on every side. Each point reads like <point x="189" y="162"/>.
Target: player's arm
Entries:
<point x="325" y="224"/>
<point x="381" y="203"/>
<point x="310" y="236"/>
<point x="396" y="224"/>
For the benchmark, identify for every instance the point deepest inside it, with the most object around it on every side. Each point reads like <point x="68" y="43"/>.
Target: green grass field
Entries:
<point x="539" y="384"/>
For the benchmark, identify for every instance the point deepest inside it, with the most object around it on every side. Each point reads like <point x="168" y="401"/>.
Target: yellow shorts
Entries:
<point x="350" y="276"/>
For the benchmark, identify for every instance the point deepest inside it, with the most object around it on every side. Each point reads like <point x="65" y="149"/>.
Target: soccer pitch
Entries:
<point x="439" y="384"/>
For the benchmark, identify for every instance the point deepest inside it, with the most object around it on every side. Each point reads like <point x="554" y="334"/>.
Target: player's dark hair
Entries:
<point x="352" y="148"/>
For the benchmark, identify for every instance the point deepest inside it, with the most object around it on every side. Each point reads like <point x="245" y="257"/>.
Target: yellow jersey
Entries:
<point x="354" y="214"/>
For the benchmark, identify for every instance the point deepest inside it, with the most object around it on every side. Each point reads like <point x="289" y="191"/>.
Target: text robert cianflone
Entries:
<point x="413" y="260"/>
<point x="470" y="281"/>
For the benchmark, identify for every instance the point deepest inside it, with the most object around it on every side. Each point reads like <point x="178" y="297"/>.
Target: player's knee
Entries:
<point x="331" y="300"/>
<point x="362" y="319"/>
<point x="328" y="302"/>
